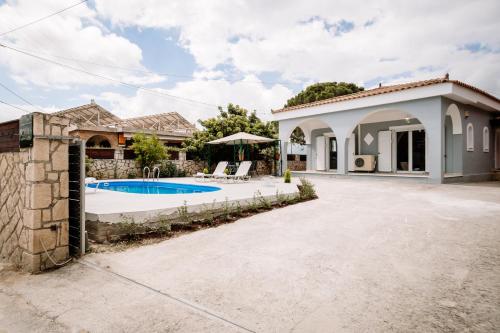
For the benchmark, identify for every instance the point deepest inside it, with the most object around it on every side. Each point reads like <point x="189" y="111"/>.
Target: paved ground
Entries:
<point x="367" y="256"/>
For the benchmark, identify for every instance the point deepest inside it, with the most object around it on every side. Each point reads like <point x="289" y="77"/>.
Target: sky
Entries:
<point x="150" y="56"/>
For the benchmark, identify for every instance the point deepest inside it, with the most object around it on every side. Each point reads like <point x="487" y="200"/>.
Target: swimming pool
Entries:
<point x="153" y="187"/>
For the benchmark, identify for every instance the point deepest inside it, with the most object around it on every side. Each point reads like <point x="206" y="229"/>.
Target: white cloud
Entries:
<point x="8" y="112"/>
<point x="72" y="34"/>
<point x="301" y="40"/>
<point x="248" y="93"/>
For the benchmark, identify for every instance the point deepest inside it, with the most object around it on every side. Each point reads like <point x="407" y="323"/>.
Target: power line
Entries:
<point x="168" y="75"/>
<point x="15" y="107"/>
<point x="42" y="18"/>
<point x="19" y="96"/>
<point x="129" y="85"/>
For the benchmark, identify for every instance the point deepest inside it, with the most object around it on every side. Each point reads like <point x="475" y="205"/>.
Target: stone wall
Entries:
<point x="120" y="169"/>
<point x="296" y="165"/>
<point x="113" y="169"/>
<point x="34" y="198"/>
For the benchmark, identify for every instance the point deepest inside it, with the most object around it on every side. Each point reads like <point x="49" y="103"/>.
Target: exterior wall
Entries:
<point x="34" y="198"/>
<point x="343" y="123"/>
<point x="373" y="129"/>
<point x="297" y="165"/>
<point x="454" y="149"/>
<point x="311" y="162"/>
<point x="85" y="135"/>
<point x="477" y="165"/>
<point x="120" y="169"/>
<point x="12" y="205"/>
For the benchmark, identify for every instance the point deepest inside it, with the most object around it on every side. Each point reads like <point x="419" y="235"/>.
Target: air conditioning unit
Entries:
<point x="364" y="162"/>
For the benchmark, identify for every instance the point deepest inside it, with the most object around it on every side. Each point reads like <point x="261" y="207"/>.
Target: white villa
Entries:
<point x="436" y="130"/>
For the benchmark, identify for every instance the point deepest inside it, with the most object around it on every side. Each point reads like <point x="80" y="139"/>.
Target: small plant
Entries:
<point x="205" y="171"/>
<point x="306" y="190"/>
<point x="226" y="210"/>
<point x="238" y="211"/>
<point x="131" y="174"/>
<point x="280" y="198"/>
<point x="129" y="228"/>
<point x="288" y="176"/>
<point x="207" y="214"/>
<point x="253" y="206"/>
<point x="183" y="213"/>
<point x="226" y="171"/>
<point x="163" y="226"/>
<point x="263" y="202"/>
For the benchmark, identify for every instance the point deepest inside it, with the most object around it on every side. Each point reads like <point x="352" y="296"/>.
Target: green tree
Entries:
<point x="298" y="136"/>
<point x="148" y="150"/>
<point x="235" y="119"/>
<point x="320" y="91"/>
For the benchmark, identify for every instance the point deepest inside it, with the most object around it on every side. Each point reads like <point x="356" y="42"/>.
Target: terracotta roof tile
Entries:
<point x="385" y="90"/>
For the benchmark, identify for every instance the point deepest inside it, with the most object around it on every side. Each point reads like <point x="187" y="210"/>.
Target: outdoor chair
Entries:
<point x="219" y="171"/>
<point x="241" y="173"/>
<point x="91" y="180"/>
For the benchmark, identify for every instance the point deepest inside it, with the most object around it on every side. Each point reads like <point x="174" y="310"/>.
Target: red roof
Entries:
<point x="386" y="90"/>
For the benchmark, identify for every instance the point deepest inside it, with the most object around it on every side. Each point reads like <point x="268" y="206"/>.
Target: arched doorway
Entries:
<point x="388" y="141"/>
<point x="98" y="141"/>
<point x="453" y="138"/>
<point x="319" y="144"/>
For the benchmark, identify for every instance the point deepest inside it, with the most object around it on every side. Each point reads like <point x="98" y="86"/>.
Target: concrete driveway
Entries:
<point x="367" y="256"/>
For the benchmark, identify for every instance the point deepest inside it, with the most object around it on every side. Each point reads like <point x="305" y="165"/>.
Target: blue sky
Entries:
<point x="256" y="54"/>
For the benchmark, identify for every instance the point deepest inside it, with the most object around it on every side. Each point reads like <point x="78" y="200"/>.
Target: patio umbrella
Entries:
<point x="240" y="138"/>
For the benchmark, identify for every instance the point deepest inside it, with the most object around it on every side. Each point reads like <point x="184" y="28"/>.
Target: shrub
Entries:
<point x="148" y="150"/>
<point x="131" y="174"/>
<point x="287" y="176"/>
<point x="306" y="190"/>
<point x="88" y="163"/>
<point x="168" y="169"/>
<point x="205" y="171"/>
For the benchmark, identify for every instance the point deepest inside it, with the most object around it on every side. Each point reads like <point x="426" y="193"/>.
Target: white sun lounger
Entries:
<point x="92" y="180"/>
<point x="219" y="171"/>
<point x="241" y="173"/>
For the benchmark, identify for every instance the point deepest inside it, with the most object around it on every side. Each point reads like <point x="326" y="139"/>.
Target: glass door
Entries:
<point x="418" y="150"/>
<point x="333" y="153"/>
<point x="410" y="151"/>
<point x="402" y="151"/>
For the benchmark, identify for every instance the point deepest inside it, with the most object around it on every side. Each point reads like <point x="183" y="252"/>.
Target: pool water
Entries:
<point x="153" y="187"/>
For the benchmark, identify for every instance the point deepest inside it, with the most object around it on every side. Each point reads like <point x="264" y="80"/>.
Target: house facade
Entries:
<point x="109" y="137"/>
<point x="436" y="130"/>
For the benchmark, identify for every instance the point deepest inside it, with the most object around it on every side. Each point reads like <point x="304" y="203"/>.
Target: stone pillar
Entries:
<point x="182" y="155"/>
<point x="119" y="153"/>
<point x="45" y="215"/>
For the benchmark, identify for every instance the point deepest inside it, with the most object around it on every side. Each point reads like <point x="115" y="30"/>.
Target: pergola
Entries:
<point x="243" y="140"/>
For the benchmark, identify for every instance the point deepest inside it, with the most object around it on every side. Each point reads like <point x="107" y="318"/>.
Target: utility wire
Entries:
<point x="129" y="85"/>
<point x="168" y="75"/>
<point x="15" y="107"/>
<point x="42" y="18"/>
<point x="19" y="96"/>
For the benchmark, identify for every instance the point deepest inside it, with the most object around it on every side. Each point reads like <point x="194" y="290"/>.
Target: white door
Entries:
<point x="351" y="150"/>
<point x="320" y="153"/>
<point x="385" y="151"/>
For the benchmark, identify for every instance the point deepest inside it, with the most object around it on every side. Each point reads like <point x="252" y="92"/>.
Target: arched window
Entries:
<point x="470" y="137"/>
<point x="486" y="139"/>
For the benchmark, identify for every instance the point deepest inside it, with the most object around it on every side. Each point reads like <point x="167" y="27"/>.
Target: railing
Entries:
<point x="154" y="172"/>
<point x="144" y="174"/>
